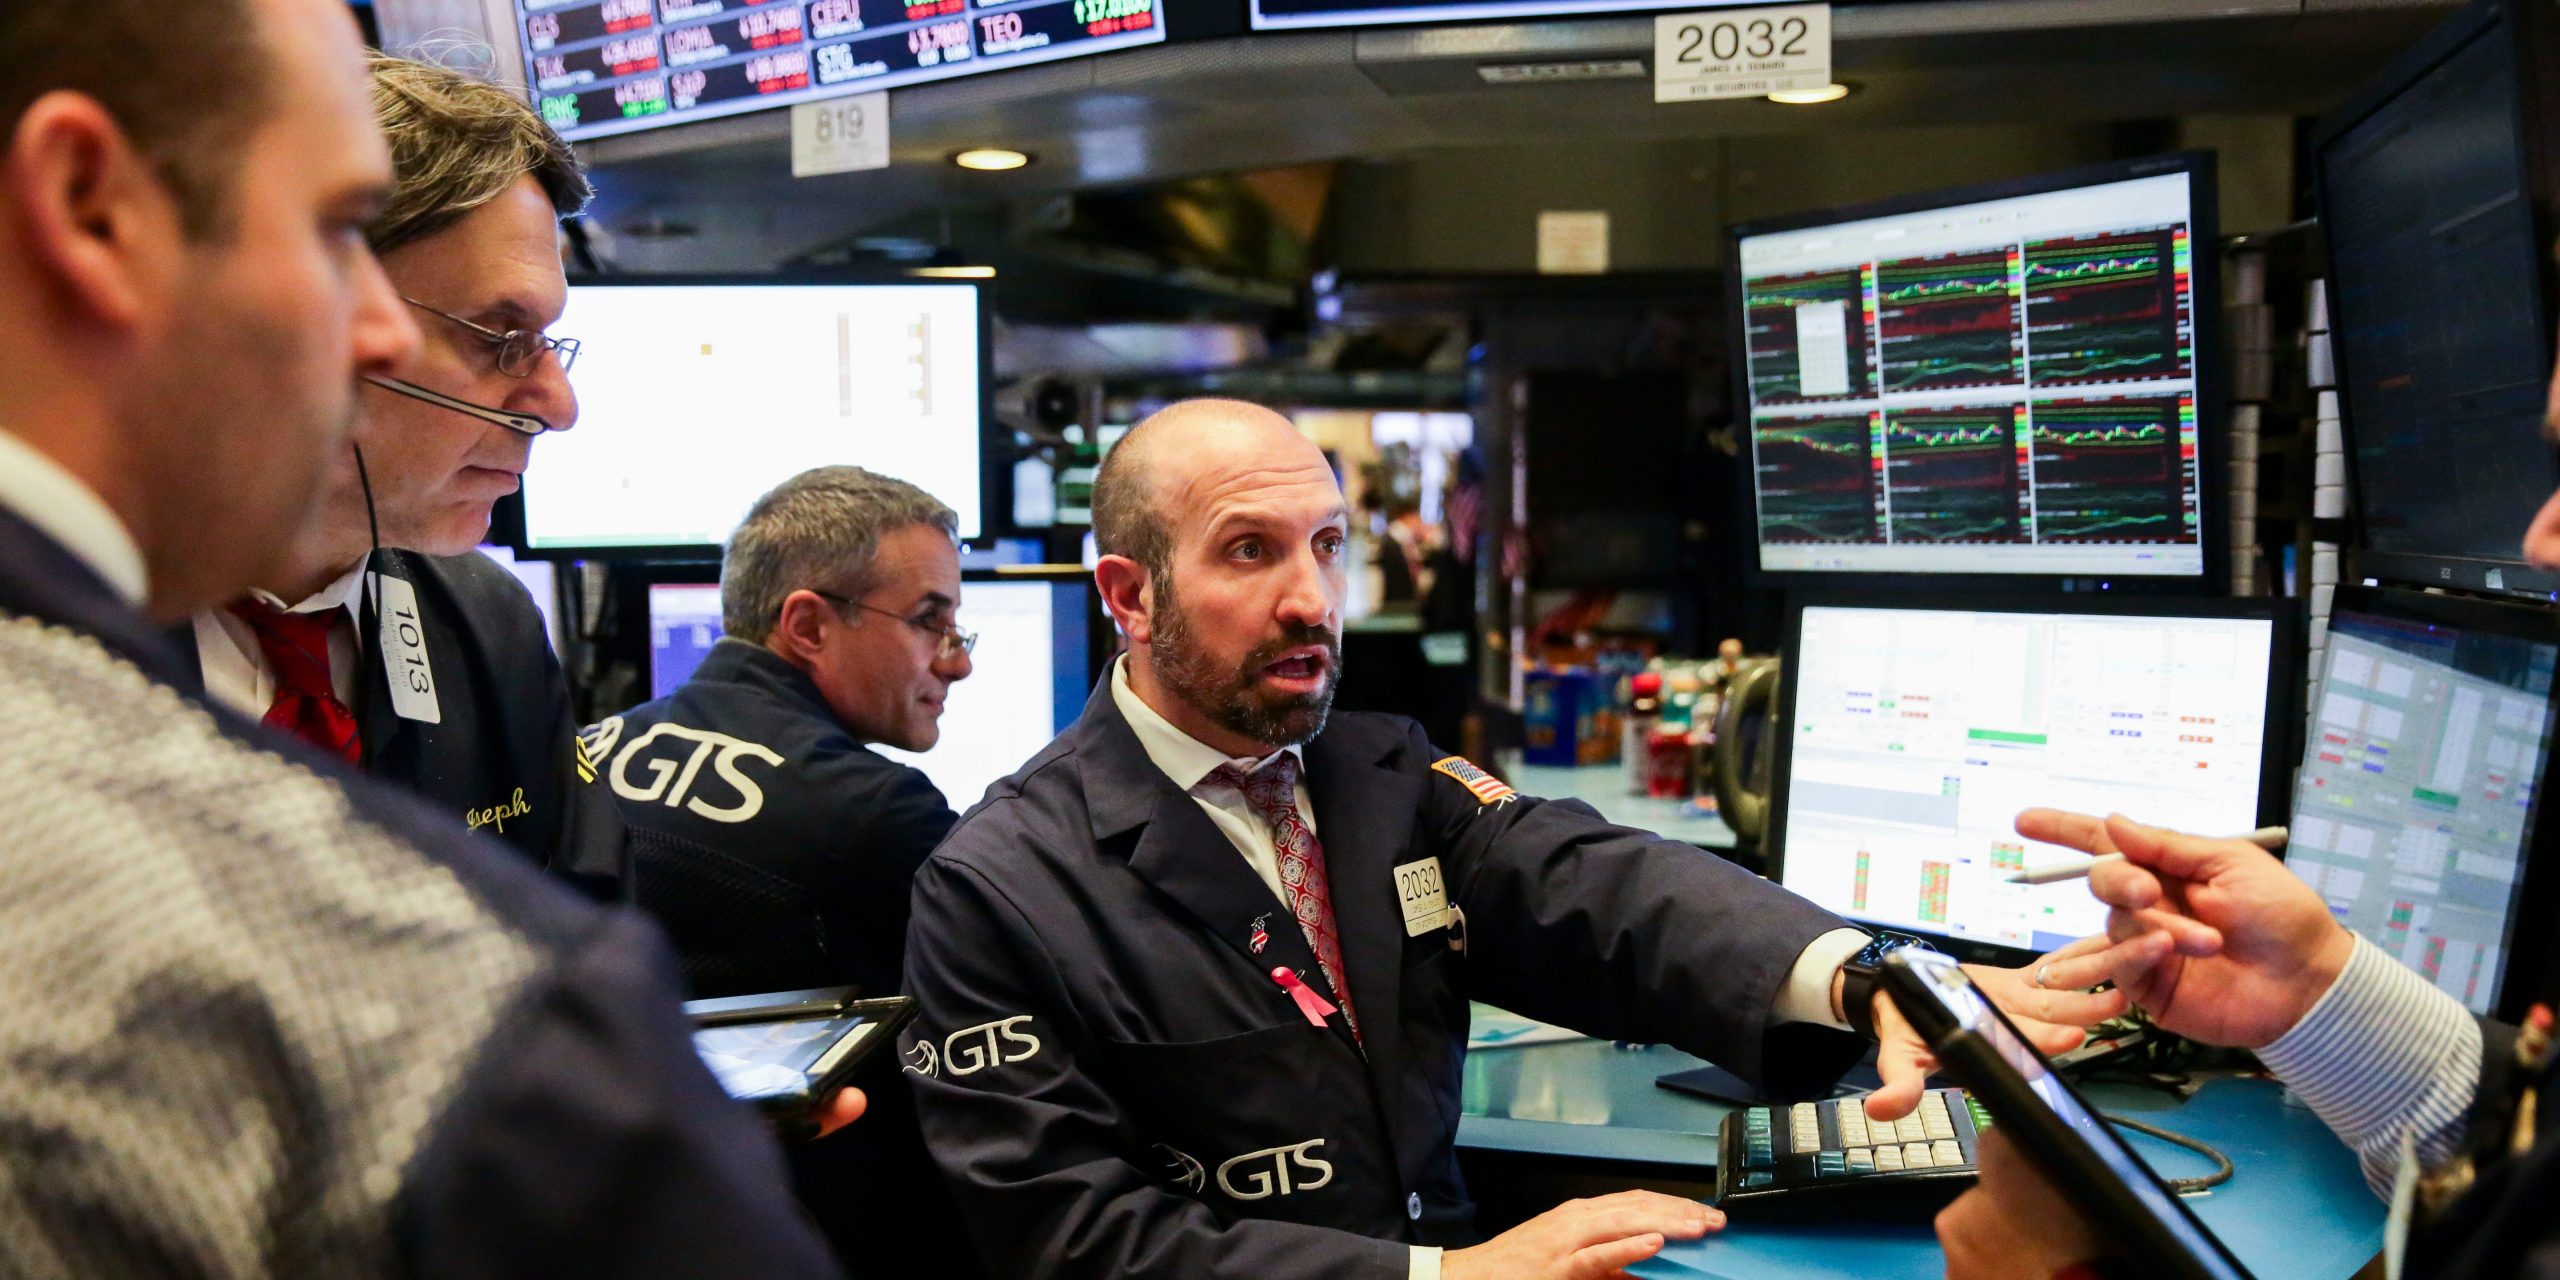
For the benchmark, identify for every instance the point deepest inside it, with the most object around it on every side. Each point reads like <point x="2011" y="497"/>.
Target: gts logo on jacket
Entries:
<point x="671" y="758"/>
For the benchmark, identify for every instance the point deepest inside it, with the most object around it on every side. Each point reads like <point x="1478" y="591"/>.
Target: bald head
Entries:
<point x="1163" y="457"/>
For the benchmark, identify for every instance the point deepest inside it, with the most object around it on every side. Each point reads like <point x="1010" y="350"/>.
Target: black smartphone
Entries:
<point x="2126" y="1203"/>
<point x="787" y="1052"/>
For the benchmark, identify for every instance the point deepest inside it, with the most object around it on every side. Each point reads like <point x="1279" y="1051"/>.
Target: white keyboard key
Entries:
<point x="1889" y="1159"/>
<point x="1862" y="1160"/>
<point x="1915" y="1155"/>
<point x="1909" y="1129"/>
<point x="1946" y="1153"/>
<point x="1933" y="1104"/>
<point x="1937" y="1130"/>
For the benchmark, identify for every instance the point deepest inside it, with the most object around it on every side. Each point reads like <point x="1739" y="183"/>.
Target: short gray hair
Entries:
<point x="817" y="530"/>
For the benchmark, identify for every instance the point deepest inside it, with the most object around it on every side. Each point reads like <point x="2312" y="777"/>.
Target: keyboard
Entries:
<point x="1827" y="1157"/>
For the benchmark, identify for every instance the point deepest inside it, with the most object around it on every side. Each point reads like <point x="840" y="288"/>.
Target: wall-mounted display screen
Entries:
<point x="1280" y="14"/>
<point x="600" y="67"/>
<point x="2004" y="385"/>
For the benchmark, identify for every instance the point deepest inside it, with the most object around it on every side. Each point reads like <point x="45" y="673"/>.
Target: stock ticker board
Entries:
<point x="602" y="67"/>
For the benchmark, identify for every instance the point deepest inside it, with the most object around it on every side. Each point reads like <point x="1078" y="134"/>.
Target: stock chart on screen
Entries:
<point x="1996" y="386"/>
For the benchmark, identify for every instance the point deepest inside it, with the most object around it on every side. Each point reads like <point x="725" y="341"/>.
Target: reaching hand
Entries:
<point x="2054" y="1016"/>
<point x="1594" y="1239"/>
<point x="2215" y="938"/>
<point x="843" y="1109"/>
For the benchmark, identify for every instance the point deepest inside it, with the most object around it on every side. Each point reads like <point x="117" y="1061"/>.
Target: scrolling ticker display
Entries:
<point x="2005" y="386"/>
<point x="600" y="67"/>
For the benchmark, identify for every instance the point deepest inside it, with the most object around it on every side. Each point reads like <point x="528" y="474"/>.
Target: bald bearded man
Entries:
<point x="1195" y="980"/>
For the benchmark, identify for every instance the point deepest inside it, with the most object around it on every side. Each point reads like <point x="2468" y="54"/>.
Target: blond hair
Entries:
<point x="457" y="143"/>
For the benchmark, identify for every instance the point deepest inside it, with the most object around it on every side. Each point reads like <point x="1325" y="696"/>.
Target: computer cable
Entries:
<point x="2181" y="1186"/>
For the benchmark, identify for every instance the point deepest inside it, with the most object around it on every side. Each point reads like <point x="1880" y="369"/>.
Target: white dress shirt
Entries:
<point x="2384" y="1053"/>
<point x="236" y="671"/>
<point x="37" y="490"/>
<point x="1189" y="761"/>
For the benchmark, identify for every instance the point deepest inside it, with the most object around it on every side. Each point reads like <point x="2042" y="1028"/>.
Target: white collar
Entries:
<point x="55" y="501"/>
<point x="339" y="594"/>
<point x="1183" y="758"/>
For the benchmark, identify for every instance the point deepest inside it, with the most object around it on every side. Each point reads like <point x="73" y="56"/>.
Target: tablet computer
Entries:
<point x="2122" y="1199"/>
<point x="787" y="1051"/>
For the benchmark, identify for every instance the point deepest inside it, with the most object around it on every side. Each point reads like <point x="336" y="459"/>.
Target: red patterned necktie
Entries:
<point x="307" y="703"/>
<point x="1272" y="791"/>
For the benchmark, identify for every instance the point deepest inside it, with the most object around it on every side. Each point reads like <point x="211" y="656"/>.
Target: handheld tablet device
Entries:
<point x="2058" y="1130"/>
<point x="786" y="1051"/>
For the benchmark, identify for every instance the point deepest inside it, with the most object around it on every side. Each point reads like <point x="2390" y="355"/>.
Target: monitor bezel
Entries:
<point x="2279" y="745"/>
<point x="2213" y="504"/>
<point x="2537" y="99"/>
<point x="518" y="528"/>
<point x="2530" y="959"/>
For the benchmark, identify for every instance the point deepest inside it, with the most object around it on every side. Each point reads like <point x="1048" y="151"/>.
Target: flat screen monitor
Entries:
<point x="684" y="622"/>
<point x="541" y="579"/>
<point x="2439" y="303"/>
<point x="698" y="396"/>
<point x="2414" y="812"/>
<point x="600" y="67"/>
<point x="1912" y="737"/>
<point x="1282" y="15"/>
<point x="1029" y="674"/>
<point x="2006" y="380"/>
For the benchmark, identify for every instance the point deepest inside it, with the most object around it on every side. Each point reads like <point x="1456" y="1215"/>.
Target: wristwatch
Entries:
<point x="1859" y="978"/>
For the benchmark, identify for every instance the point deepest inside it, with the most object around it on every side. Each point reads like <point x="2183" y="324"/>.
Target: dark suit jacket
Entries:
<point x="552" y="1121"/>
<point x="504" y="753"/>
<point x="1117" y="1084"/>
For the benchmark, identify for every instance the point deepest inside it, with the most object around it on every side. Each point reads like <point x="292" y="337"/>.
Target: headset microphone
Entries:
<point x="528" y="424"/>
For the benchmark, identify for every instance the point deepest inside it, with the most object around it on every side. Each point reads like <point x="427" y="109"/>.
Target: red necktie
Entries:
<point x="1272" y="791"/>
<point x="307" y="703"/>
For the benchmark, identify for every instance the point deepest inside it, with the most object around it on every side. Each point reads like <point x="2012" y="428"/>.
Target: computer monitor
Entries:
<point x="1029" y="678"/>
<point x="699" y="395"/>
<point x="1030" y="673"/>
<point x="2415" y="811"/>
<point x="684" y="622"/>
<point x="2437" y="205"/>
<point x="1912" y="736"/>
<point x="2013" y="379"/>
<point x="541" y="580"/>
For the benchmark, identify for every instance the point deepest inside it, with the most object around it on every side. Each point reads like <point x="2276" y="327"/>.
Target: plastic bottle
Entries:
<point x="1644" y="711"/>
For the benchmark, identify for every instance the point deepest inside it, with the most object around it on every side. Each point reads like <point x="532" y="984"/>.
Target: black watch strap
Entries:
<point x="1861" y="976"/>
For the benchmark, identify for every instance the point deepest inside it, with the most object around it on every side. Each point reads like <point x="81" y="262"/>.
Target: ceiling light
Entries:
<point x="953" y="273"/>
<point x="1832" y="92"/>
<point x="990" y="159"/>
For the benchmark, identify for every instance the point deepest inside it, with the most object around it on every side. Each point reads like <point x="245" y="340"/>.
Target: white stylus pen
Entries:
<point x="2268" y="838"/>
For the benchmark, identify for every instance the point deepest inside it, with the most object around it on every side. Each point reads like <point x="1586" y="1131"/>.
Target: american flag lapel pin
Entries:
<point x="1261" y="934"/>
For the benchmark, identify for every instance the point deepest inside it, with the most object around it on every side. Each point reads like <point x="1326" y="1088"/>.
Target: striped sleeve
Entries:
<point x="2380" y="1053"/>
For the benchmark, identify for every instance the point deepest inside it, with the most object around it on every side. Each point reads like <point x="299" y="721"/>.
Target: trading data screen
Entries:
<point x="2415" y="800"/>
<point x="601" y="67"/>
<point x="1027" y="679"/>
<point x="2436" y="275"/>
<point x="1919" y="734"/>
<point x="2000" y="387"/>
<point x="696" y="399"/>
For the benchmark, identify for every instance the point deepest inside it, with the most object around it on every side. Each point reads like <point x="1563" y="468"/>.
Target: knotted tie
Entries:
<point x="306" y="703"/>
<point x="1272" y="791"/>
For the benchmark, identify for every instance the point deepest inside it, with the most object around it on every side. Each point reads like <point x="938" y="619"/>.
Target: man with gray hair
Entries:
<point x="769" y="838"/>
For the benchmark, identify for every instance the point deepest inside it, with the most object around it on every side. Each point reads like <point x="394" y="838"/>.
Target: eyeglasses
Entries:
<point x="953" y="641"/>
<point x="517" y="348"/>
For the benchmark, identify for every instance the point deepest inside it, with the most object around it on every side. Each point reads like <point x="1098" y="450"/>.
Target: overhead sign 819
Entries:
<point x="1735" y="53"/>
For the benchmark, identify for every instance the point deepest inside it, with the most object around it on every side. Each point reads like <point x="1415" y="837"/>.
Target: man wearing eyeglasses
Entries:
<point x="387" y="639"/>
<point x="773" y="843"/>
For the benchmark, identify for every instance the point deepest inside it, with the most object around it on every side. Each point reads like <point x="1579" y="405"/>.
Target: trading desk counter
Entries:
<point x="2296" y="1206"/>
